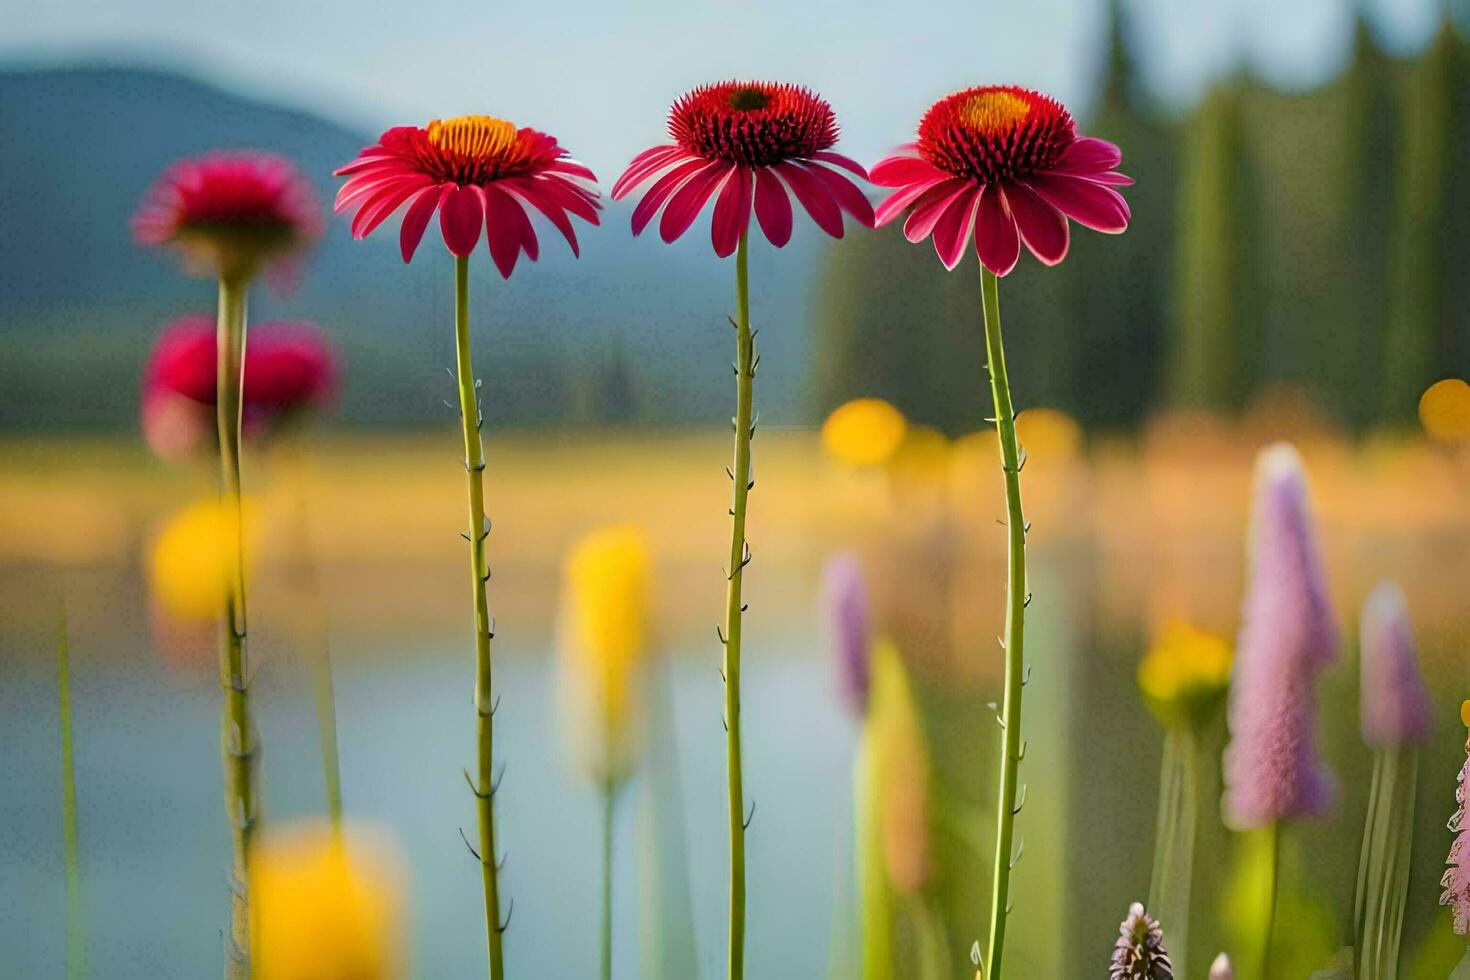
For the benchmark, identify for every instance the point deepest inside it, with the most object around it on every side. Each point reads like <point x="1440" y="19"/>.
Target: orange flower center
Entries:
<point x="473" y="137"/>
<point x="995" y="112"/>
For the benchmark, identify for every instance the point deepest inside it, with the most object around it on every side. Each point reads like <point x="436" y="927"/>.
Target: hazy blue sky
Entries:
<point x="601" y="72"/>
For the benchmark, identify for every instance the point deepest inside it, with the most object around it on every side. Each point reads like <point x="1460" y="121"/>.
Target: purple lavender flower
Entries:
<point x="1395" y="707"/>
<point x="848" y="622"/>
<point x="1456" y="880"/>
<point x="1139" y="953"/>
<point x="1287" y="637"/>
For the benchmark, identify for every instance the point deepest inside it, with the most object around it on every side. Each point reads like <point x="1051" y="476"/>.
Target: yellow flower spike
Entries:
<point x="1465" y="713"/>
<point x="901" y="767"/>
<point x="1444" y="410"/>
<point x="603" y="644"/>
<point x="864" y="432"/>
<point x="326" y="906"/>
<point x="191" y="560"/>
<point x="923" y="457"/>
<point x="1184" y="676"/>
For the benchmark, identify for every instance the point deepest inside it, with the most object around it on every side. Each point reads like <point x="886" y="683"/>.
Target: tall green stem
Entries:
<point x="238" y="737"/>
<point x="739" y="556"/>
<point x="1383" y="868"/>
<point x="1270" y="844"/>
<point x="1012" y="747"/>
<point x="479" y="529"/>
<point x="609" y="794"/>
<point x="1173" y="872"/>
<point x="76" y="951"/>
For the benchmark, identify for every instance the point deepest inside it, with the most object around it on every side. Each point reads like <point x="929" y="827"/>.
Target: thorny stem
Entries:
<point x="76" y="950"/>
<point x="740" y="475"/>
<point x="474" y="462"/>
<point x="238" y="737"/>
<point x="1012" y="747"/>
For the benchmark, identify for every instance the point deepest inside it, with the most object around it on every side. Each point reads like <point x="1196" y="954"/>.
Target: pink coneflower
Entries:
<point x="476" y="171"/>
<point x="1007" y="163"/>
<point x="1456" y="880"/>
<point x="746" y="144"/>
<point x="229" y="211"/>
<point x="1287" y="637"/>
<point x="848" y="615"/>
<point x="289" y="369"/>
<point x="1395" y="708"/>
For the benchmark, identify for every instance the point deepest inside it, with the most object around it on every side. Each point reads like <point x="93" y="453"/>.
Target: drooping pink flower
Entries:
<point x="747" y="145"/>
<point x="1394" y="706"/>
<point x="475" y="171"/>
<point x="1287" y="637"/>
<point x="228" y="212"/>
<point x="1456" y="879"/>
<point x="1003" y="165"/>
<point x="289" y="369"/>
<point x="848" y="616"/>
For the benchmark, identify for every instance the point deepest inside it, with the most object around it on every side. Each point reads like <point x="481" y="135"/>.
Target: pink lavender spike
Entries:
<point x="1395" y="708"/>
<point x="1287" y="637"/>
<point x="848" y="614"/>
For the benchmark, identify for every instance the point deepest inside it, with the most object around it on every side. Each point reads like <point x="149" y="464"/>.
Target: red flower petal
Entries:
<point x="732" y="212"/>
<point x="1042" y="226"/>
<point x="377" y="210"/>
<point x="952" y="232"/>
<point x="901" y="199"/>
<point x="416" y="218"/>
<point x="901" y="170"/>
<point x="507" y="230"/>
<point x="844" y="192"/>
<point x="1092" y="205"/>
<point x="838" y="160"/>
<point x="533" y="193"/>
<point x="1111" y="178"/>
<point x="661" y="190"/>
<point x="931" y="207"/>
<point x="645" y="165"/>
<point x="1088" y="155"/>
<point x="573" y="168"/>
<point x="814" y="197"/>
<point x="772" y="207"/>
<point x="685" y="205"/>
<point x="461" y="214"/>
<point x="569" y="196"/>
<point x="996" y="240"/>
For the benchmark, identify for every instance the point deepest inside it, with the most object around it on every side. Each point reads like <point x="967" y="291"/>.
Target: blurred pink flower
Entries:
<point x="476" y="172"/>
<point x="1008" y="163"/>
<point x="1287" y="637"/>
<point x="229" y="211"/>
<point x="747" y="145"/>
<point x="289" y="369"/>
<point x="847" y="611"/>
<point x="1394" y="707"/>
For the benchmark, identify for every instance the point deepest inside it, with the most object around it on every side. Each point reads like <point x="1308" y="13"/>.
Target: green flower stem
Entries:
<point x="1383" y="869"/>
<point x="324" y="695"/>
<point x="474" y="464"/>
<point x="874" y="895"/>
<point x="933" y="953"/>
<point x="609" y="796"/>
<point x="1012" y="747"/>
<point x="238" y="737"/>
<point x="739" y="556"/>
<point x="1269" y="840"/>
<point x="76" y="950"/>
<point x="1173" y="871"/>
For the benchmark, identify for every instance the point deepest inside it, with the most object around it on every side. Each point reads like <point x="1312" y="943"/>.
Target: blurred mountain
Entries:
<point x="635" y="331"/>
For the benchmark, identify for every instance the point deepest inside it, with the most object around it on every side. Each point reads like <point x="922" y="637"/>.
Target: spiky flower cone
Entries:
<point x="1139" y="951"/>
<point x="1456" y="880"/>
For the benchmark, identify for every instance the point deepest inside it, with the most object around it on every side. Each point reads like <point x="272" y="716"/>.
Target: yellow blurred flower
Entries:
<point x="1185" y="674"/>
<point x="894" y="734"/>
<point x="1444" y="410"/>
<point x="326" y="906"/>
<point x="191" y="561"/>
<point x="1049" y="435"/>
<point x="604" y="641"/>
<point x="864" y="432"/>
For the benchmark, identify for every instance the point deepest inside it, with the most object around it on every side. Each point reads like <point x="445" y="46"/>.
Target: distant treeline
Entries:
<point x="1318" y="240"/>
